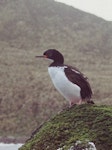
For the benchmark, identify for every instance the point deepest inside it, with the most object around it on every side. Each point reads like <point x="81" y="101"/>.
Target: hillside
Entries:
<point x="31" y="24"/>
<point x="27" y="28"/>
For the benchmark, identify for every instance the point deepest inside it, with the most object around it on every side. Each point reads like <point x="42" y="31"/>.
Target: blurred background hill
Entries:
<point x="28" y="28"/>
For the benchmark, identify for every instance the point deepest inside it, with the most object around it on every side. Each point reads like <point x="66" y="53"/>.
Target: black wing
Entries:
<point x="75" y="76"/>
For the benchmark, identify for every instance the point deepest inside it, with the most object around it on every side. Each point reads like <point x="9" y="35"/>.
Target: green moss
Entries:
<point x="84" y="123"/>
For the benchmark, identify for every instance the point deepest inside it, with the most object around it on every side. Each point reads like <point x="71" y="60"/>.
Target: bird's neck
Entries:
<point x="55" y="64"/>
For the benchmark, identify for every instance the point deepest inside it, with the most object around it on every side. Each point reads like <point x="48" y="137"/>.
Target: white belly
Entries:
<point x="69" y="90"/>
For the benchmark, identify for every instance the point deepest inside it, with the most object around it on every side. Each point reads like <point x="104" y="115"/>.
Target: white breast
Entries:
<point x="69" y="90"/>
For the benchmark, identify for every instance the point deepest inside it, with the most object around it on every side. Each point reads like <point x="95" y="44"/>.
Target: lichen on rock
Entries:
<point x="80" y="146"/>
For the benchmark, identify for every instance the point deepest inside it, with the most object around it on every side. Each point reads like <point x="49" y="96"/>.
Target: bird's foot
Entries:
<point x="72" y="103"/>
<point x="90" y="102"/>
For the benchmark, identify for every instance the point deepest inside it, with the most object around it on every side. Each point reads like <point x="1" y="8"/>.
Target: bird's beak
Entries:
<point x="43" y="56"/>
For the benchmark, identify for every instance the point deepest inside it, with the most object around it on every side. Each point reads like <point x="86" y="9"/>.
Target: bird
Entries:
<point x="68" y="80"/>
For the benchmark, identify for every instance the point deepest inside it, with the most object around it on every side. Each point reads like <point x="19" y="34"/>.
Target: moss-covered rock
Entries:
<point x="79" y="123"/>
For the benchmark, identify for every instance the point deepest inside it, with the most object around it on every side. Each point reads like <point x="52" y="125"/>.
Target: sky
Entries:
<point x="101" y="8"/>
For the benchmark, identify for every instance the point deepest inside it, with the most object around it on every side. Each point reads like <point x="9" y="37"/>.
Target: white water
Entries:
<point x="10" y="146"/>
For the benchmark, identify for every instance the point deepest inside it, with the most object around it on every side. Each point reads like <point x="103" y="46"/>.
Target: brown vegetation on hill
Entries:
<point x="27" y="28"/>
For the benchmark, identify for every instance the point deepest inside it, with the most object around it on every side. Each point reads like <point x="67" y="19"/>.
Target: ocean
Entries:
<point x="11" y="146"/>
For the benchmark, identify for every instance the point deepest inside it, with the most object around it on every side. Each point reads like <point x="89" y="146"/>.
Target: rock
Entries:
<point x="81" y="146"/>
<point x="84" y="127"/>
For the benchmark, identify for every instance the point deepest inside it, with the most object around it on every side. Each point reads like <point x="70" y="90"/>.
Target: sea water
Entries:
<point x="11" y="146"/>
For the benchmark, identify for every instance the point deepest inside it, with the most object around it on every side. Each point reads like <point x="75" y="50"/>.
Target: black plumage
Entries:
<point x="75" y="76"/>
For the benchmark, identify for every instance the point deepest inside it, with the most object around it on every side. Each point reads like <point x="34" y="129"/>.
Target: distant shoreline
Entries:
<point x="12" y="139"/>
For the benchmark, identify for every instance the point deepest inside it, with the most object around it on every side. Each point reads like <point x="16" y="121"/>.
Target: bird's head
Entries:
<point x="54" y="55"/>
